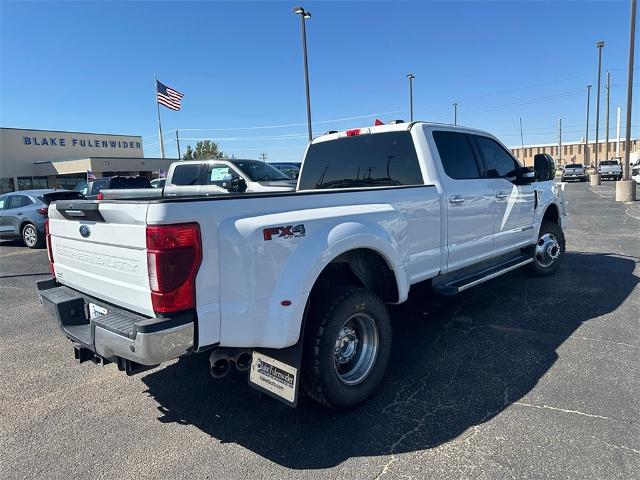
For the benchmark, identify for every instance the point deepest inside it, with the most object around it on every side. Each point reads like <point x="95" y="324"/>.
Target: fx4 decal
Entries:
<point x="283" y="232"/>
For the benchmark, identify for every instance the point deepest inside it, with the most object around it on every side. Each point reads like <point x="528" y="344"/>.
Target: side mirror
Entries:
<point x="525" y="176"/>
<point x="544" y="167"/>
<point x="238" y="185"/>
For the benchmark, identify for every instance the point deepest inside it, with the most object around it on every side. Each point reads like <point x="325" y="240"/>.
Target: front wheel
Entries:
<point x="347" y="347"/>
<point x="548" y="252"/>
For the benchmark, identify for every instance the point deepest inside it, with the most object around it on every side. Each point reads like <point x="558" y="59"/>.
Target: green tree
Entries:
<point x="204" y="149"/>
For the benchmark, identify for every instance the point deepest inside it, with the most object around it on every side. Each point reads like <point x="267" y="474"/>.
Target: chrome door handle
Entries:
<point x="19" y="213"/>
<point x="501" y="196"/>
<point x="456" y="199"/>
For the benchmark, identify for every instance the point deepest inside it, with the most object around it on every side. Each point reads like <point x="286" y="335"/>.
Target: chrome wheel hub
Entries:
<point x="30" y="236"/>
<point x="346" y="345"/>
<point x="547" y="250"/>
<point x="356" y="348"/>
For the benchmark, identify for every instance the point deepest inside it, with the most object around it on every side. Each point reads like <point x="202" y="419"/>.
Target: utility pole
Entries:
<point x="303" y="16"/>
<point x="263" y="157"/>
<point x="595" y="177"/>
<point x="178" y="144"/>
<point x="586" y="134"/>
<point x="626" y="188"/>
<point x="560" y="140"/>
<point x="521" y="136"/>
<point x="410" y="76"/>
<point x="455" y="114"/>
<point x="618" y="133"/>
<point x="606" y="138"/>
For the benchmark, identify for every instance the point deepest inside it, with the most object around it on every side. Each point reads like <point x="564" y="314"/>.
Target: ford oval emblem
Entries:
<point x="84" y="231"/>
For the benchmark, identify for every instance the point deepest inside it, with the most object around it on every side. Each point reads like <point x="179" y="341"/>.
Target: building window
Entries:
<point x="6" y="185"/>
<point x="25" y="183"/>
<point x="570" y="149"/>
<point x="40" y="182"/>
<point x="70" y="182"/>
<point x="579" y="149"/>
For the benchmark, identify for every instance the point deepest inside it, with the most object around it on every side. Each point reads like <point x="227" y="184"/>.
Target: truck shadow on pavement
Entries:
<point x="456" y="363"/>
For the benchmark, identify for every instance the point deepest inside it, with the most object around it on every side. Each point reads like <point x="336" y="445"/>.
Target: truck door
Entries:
<point x="513" y="204"/>
<point x="468" y="198"/>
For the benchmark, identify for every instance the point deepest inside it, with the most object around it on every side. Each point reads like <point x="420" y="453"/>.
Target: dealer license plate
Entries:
<point x="274" y="376"/>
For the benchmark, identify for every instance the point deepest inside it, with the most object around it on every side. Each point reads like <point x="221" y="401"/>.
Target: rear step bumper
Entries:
<point x="131" y="340"/>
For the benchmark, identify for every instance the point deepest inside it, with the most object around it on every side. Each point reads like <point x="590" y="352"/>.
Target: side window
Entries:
<point x="3" y="201"/>
<point x="97" y="185"/>
<point x="186" y="175"/>
<point x="498" y="163"/>
<point x="221" y="175"/>
<point x="17" y="201"/>
<point x="456" y="154"/>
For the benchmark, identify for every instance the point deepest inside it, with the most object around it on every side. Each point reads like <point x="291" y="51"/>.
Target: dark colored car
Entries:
<point x="23" y="213"/>
<point x="290" y="169"/>
<point x="91" y="189"/>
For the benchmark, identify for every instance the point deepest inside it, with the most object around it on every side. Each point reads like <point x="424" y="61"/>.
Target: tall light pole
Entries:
<point x="626" y="188"/>
<point x="595" y="177"/>
<point x="303" y="16"/>
<point x="455" y="114"/>
<point x="586" y="134"/>
<point x="560" y="140"/>
<point x="410" y="76"/>
<point x="608" y="97"/>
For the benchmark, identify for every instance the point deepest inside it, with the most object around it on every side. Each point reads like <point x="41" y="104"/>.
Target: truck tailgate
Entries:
<point x="100" y="250"/>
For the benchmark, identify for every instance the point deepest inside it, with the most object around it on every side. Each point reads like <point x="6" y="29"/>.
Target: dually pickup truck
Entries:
<point x="293" y="286"/>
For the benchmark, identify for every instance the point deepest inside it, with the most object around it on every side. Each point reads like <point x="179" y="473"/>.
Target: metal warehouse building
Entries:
<point x="48" y="159"/>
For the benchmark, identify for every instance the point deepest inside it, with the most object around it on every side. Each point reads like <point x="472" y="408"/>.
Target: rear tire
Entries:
<point x="548" y="252"/>
<point x="31" y="237"/>
<point x="346" y="348"/>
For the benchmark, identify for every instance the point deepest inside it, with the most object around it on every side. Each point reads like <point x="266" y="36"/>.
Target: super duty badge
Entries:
<point x="283" y="232"/>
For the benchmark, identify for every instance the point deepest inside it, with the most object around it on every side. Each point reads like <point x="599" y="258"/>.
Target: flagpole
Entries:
<point x="155" y="86"/>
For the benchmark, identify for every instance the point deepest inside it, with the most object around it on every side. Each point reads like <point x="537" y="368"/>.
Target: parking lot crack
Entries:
<point x="564" y="410"/>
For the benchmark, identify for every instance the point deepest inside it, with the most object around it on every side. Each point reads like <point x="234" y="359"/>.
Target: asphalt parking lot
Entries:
<point x="519" y="377"/>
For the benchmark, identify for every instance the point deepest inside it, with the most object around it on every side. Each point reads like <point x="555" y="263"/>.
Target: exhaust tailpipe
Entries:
<point x="219" y="364"/>
<point x="243" y="360"/>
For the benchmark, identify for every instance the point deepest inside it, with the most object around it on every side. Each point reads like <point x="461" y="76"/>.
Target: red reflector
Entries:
<point x="47" y="237"/>
<point x="43" y="210"/>
<point x="285" y="303"/>
<point x="174" y="253"/>
<point x="353" y="133"/>
<point x="100" y="196"/>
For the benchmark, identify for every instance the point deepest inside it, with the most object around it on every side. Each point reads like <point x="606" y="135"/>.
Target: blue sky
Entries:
<point x="88" y="66"/>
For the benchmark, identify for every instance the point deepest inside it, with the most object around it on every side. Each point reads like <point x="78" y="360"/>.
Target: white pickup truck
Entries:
<point x="610" y="169"/>
<point x="293" y="286"/>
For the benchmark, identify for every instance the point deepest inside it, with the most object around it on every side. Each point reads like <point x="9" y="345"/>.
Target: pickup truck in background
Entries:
<point x="574" y="171"/>
<point x="610" y="169"/>
<point x="293" y="286"/>
<point x="212" y="177"/>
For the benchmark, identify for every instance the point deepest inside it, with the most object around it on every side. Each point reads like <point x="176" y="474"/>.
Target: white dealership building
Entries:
<point x="49" y="158"/>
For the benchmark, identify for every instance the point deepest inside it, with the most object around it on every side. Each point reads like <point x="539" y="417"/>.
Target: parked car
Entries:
<point x="292" y="287"/>
<point x="610" y="169"/>
<point x="158" y="182"/>
<point x="92" y="189"/>
<point x="290" y="169"/>
<point x="23" y="213"/>
<point x="574" y="171"/>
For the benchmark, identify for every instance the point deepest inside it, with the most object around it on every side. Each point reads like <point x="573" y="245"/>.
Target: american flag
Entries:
<point x="168" y="97"/>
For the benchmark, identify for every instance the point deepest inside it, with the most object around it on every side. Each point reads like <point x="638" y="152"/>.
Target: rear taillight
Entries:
<point x="47" y="237"/>
<point x="100" y="196"/>
<point x="353" y="133"/>
<point x="174" y="253"/>
<point x="43" y="210"/>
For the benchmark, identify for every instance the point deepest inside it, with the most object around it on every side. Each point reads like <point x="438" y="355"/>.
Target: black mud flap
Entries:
<point x="276" y="371"/>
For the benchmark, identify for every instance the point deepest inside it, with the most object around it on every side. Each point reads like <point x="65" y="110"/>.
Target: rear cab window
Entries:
<point x="47" y="198"/>
<point x="186" y="175"/>
<point x="368" y="160"/>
